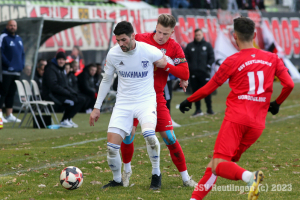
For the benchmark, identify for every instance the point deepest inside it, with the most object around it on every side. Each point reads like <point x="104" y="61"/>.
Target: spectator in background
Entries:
<point x="13" y="61"/>
<point x="78" y="57"/>
<point x="98" y="76"/>
<point x="71" y="78"/>
<point x="75" y="68"/>
<point x="42" y="62"/>
<point x="26" y="73"/>
<point x="201" y="4"/>
<point x="252" y="4"/>
<point x="56" y="88"/>
<point x="38" y="77"/>
<point x="179" y="3"/>
<point x="232" y="5"/>
<point x="86" y="84"/>
<point x="200" y="57"/>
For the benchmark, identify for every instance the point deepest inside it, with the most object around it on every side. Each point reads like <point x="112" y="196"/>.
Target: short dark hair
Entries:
<point x="166" y="20"/>
<point x="197" y="29"/>
<point x="123" y="27"/>
<point x="91" y="65"/>
<point x="244" y="28"/>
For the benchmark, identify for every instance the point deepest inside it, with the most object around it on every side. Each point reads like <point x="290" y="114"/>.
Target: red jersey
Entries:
<point x="251" y="74"/>
<point x="172" y="49"/>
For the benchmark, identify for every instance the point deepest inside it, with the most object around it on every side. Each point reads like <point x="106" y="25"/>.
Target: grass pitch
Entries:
<point x="30" y="158"/>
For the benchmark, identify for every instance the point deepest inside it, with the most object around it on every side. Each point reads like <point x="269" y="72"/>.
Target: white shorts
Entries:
<point x="124" y="112"/>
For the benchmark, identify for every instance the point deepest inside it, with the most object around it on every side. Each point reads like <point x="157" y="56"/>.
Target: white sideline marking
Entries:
<point x="285" y="118"/>
<point x="162" y="143"/>
<point x="287" y="107"/>
<point x="104" y="138"/>
<point x="104" y="154"/>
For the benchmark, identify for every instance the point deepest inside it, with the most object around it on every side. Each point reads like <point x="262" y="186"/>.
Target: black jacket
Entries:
<point x="86" y="83"/>
<point x="200" y="57"/>
<point x="39" y="81"/>
<point x="55" y="84"/>
<point x="72" y="81"/>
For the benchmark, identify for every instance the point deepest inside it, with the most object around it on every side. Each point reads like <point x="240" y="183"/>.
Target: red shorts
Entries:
<point x="164" y="121"/>
<point x="234" y="139"/>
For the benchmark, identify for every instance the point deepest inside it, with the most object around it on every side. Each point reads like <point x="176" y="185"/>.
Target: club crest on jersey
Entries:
<point x="145" y="64"/>
<point x="163" y="50"/>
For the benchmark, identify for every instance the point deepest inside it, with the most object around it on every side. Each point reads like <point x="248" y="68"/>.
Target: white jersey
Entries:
<point x="135" y="71"/>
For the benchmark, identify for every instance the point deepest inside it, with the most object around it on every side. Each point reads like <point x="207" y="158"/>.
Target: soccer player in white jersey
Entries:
<point x="136" y="98"/>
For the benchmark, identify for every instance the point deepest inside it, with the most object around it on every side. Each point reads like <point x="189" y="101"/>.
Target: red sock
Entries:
<point x="229" y="170"/>
<point x="205" y="185"/>
<point x="177" y="156"/>
<point x="127" y="152"/>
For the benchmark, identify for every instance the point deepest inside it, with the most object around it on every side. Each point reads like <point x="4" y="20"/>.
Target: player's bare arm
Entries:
<point x="161" y="63"/>
<point x="94" y="116"/>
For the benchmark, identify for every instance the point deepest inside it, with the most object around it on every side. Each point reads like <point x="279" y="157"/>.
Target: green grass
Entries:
<point x="28" y="159"/>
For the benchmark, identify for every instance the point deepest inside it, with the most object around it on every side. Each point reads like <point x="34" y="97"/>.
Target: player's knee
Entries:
<point x="152" y="141"/>
<point x="213" y="170"/>
<point x="147" y="132"/>
<point x="171" y="137"/>
<point x="112" y="150"/>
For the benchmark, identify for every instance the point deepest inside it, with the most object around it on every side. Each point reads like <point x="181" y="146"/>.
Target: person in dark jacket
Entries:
<point x="86" y="84"/>
<point x="56" y="88"/>
<point x="200" y="57"/>
<point x="13" y="62"/>
<point x="38" y="77"/>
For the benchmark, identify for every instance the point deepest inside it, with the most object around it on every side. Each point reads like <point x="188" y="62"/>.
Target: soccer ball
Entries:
<point x="169" y="60"/>
<point x="71" y="178"/>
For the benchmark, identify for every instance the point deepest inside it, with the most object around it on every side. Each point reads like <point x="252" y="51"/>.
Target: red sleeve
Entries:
<point x="207" y="89"/>
<point x="180" y="71"/>
<point x="217" y="80"/>
<point x="135" y="122"/>
<point x="286" y="82"/>
<point x="181" y="68"/>
<point x="223" y="73"/>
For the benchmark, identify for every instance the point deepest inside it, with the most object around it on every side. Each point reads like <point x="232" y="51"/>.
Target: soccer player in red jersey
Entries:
<point x="161" y="39"/>
<point x="251" y="73"/>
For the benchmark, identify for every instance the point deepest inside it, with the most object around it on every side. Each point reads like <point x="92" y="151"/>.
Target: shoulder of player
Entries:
<point x="139" y="36"/>
<point x="114" y="50"/>
<point x="147" y="46"/>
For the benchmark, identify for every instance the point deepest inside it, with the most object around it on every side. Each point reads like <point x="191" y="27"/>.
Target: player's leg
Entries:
<point x="195" y="86"/>
<point x="114" y="140"/>
<point x="165" y="128"/>
<point x="227" y="146"/>
<point x="205" y="184"/>
<point x="119" y="127"/>
<point x="147" y="117"/>
<point x="127" y="149"/>
<point x="248" y="139"/>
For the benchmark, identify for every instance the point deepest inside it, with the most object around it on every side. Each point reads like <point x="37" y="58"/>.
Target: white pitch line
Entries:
<point x="285" y="118"/>
<point x="287" y="107"/>
<point x="104" y="138"/>
<point x="83" y="159"/>
<point x="91" y="157"/>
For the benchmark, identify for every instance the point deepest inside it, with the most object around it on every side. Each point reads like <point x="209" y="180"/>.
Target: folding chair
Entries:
<point x="27" y="105"/>
<point x="37" y="97"/>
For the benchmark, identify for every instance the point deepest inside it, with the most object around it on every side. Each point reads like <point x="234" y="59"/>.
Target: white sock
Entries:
<point x="114" y="161"/>
<point x="246" y="176"/>
<point x="127" y="167"/>
<point x="185" y="176"/>
<point x="156" y="171"/>
<point x="153" y="149"/>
